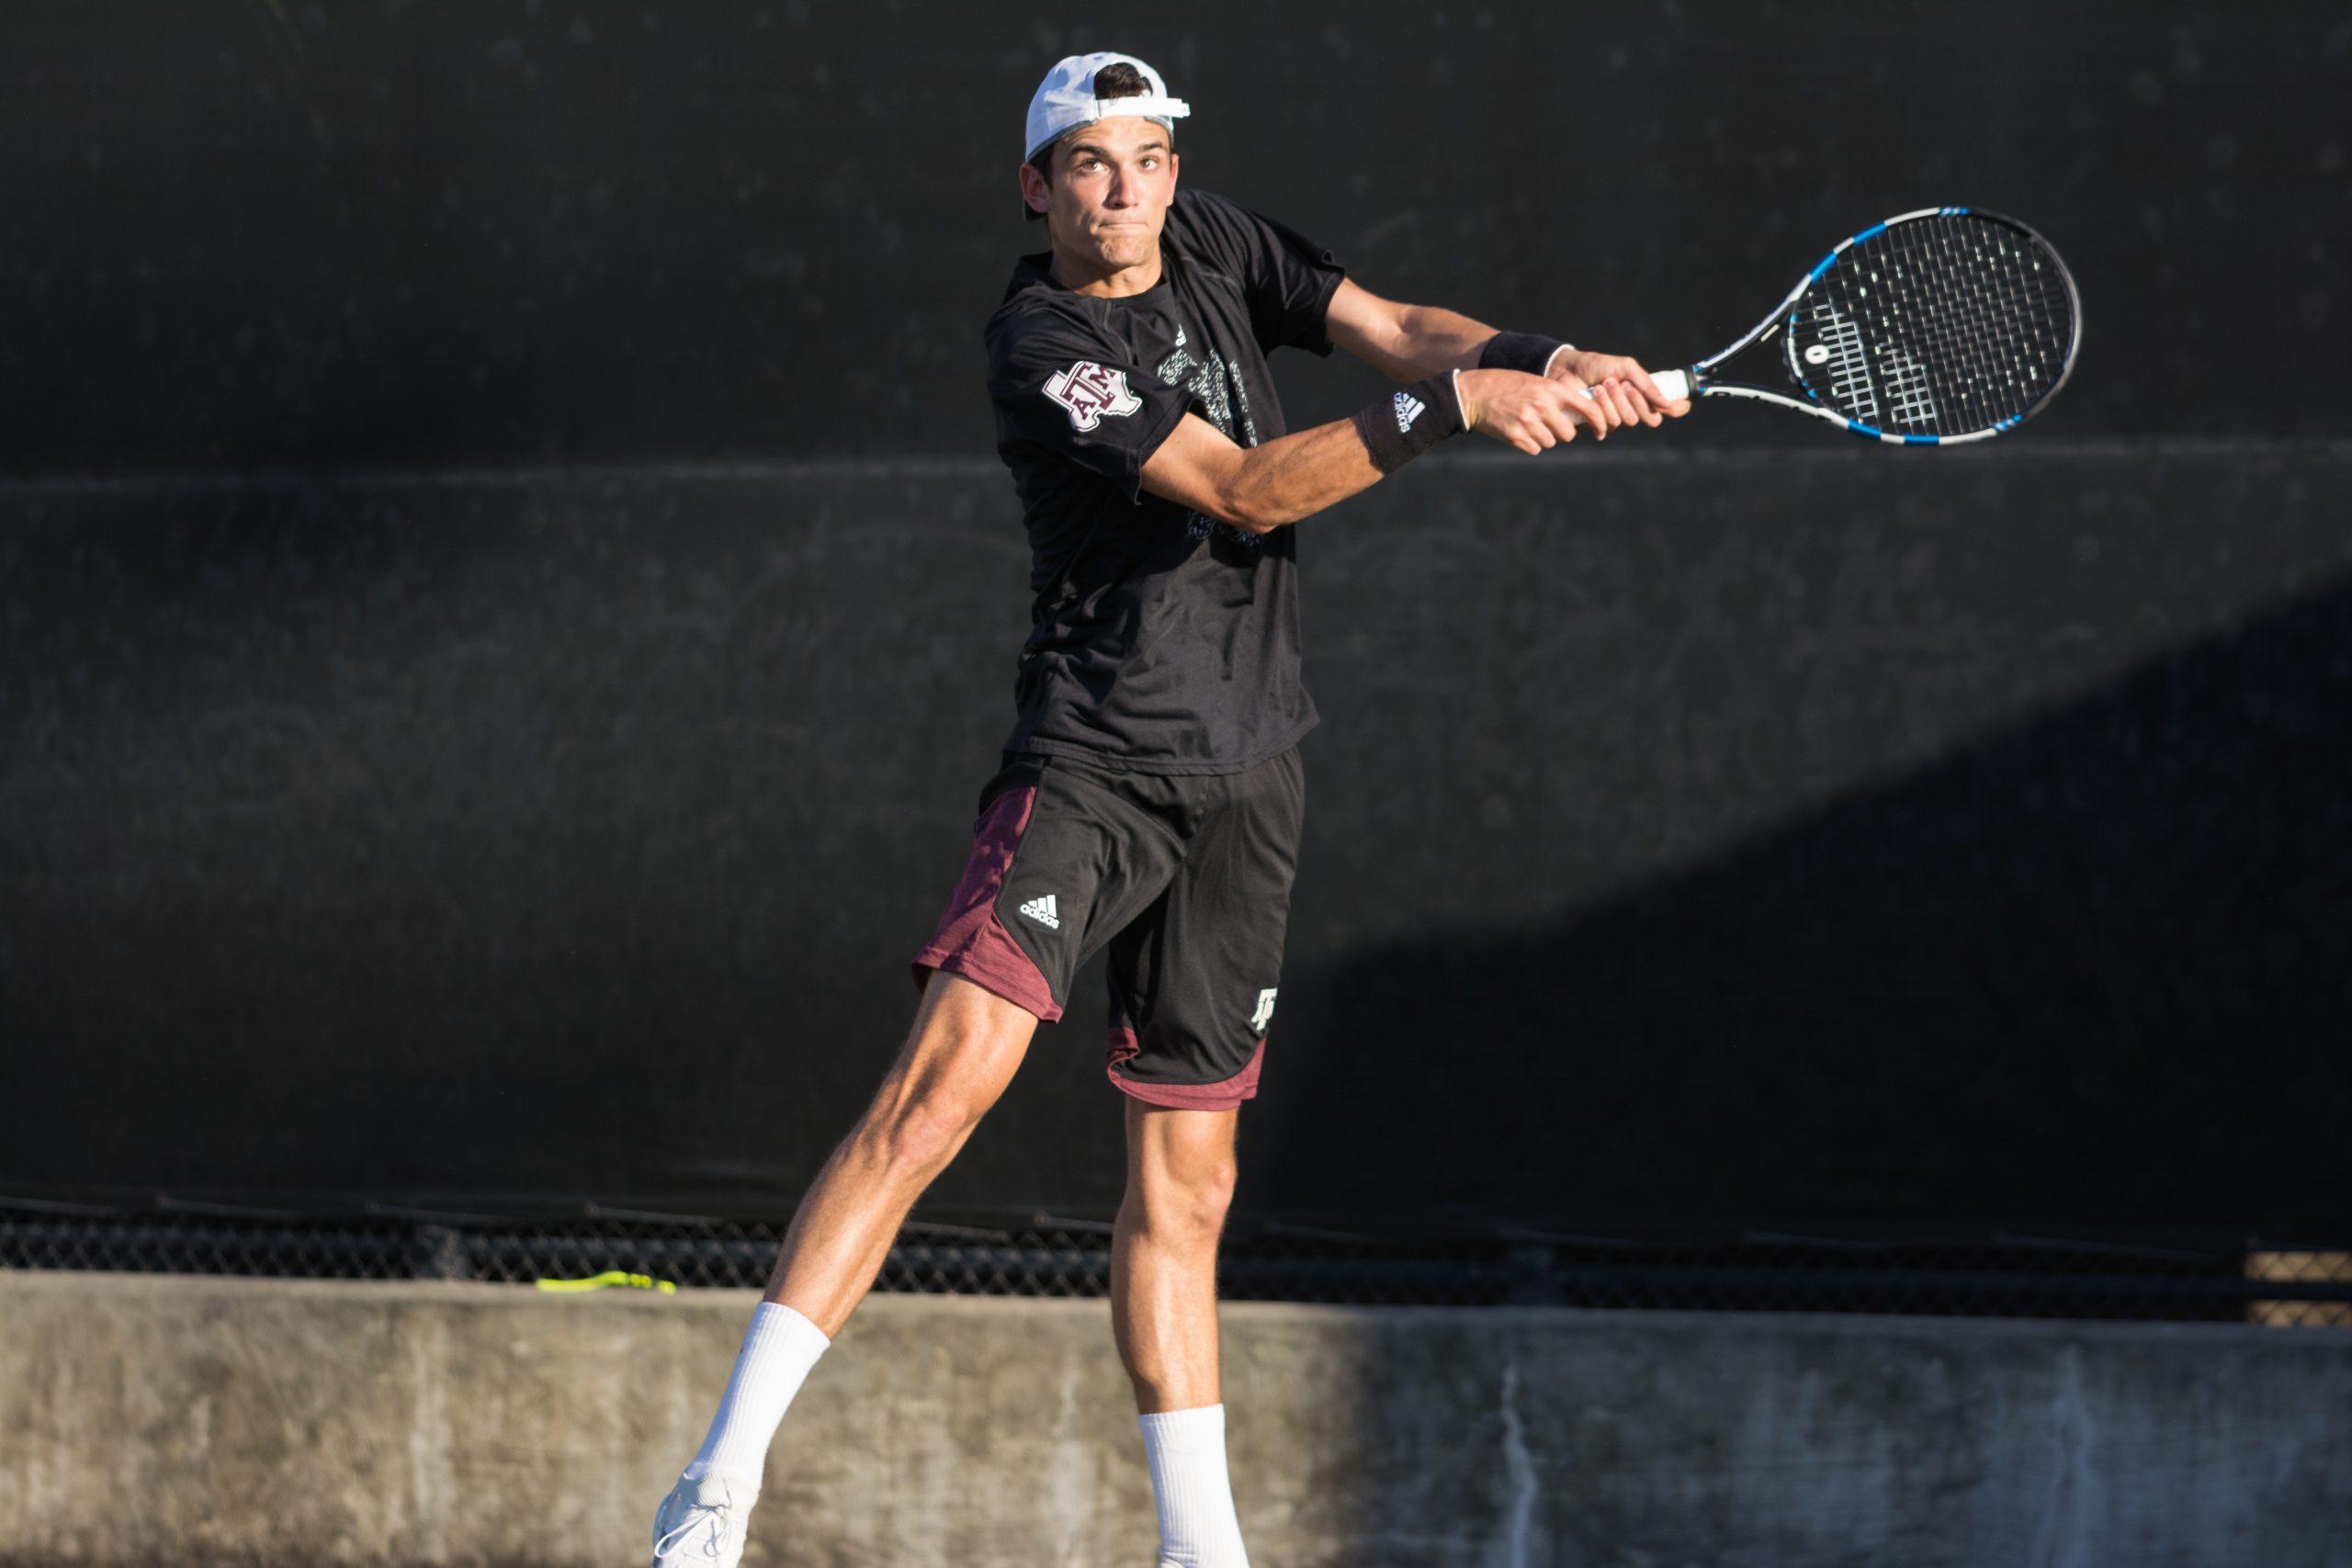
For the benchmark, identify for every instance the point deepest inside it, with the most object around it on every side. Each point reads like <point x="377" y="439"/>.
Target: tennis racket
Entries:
<point x="1935" y="327"/>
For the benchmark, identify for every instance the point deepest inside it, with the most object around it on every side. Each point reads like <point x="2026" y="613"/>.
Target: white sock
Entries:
<point x="1197" y="1526"/>
<point x="778" y="1350"/>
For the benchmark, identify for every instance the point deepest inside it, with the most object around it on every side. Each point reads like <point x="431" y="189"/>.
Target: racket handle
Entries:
<point x="1675" y="384"/>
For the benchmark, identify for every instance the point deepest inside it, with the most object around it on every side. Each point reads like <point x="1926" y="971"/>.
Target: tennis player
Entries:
<point x="1151" y="795"/>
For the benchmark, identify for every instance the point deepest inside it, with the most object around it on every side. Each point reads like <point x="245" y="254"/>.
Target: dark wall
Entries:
<point x="505" y="601"/>
<point x="1934" y="840"/>
<point x="248" y="234"/>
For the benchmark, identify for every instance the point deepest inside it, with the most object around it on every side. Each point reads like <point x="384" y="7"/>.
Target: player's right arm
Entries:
<point x="1261" y="488"/>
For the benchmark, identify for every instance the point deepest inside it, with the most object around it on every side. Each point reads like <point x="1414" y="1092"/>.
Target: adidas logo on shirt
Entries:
<point x="1408" y="409"/>
<point x="1042" y="911"/>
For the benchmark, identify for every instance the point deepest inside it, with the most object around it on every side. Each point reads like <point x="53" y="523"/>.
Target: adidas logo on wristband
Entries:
<point x="1409" y="422"/>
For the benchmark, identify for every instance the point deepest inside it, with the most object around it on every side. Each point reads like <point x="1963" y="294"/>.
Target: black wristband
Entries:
<point x="1530" y="352"/>
<point x="1410" y="423"/>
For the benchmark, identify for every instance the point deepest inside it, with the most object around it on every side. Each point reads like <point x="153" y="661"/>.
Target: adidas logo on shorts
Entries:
<point x="1042" y="911"/>
<point x="1408" y="409"/>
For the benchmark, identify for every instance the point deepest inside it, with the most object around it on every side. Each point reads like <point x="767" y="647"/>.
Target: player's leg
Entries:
<point x="958" y="1057"/>
<point x="966" y="1043"/>
<point x="1163" y="1270"/>
<point x="1192" y="990"/>
<point x="1163" y="1314"/>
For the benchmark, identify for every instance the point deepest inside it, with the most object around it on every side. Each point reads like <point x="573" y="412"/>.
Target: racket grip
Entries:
<point x="1675" y="384"/>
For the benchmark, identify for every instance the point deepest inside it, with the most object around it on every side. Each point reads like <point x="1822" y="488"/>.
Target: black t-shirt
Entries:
<point x="1161" y="641"/>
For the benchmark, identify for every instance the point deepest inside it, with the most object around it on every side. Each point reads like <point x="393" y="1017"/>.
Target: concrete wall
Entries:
<point x="159" y="1421"/>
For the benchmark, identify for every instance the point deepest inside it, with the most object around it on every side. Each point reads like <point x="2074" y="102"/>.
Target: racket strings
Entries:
<point x="1942" y="326"/>
<point x="2008" y="343"/>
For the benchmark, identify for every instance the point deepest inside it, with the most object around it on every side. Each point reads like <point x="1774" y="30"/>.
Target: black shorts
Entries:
<point x="1187" y="879"/>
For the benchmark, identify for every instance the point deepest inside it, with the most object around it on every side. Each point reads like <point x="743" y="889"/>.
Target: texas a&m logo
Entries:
<point x="1090" y="391"/>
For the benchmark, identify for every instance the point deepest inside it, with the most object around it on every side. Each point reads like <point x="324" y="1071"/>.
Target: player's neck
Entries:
<point x="1082" y="276"/>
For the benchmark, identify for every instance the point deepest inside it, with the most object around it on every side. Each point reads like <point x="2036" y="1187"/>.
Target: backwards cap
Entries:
<point x="1065" y="99"/>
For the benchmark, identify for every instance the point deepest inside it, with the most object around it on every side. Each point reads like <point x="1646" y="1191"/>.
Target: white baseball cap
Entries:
<point x="1066" y="99"/>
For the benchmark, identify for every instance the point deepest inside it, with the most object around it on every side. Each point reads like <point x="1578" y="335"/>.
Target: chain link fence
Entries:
<point x="1994" y="1276"/>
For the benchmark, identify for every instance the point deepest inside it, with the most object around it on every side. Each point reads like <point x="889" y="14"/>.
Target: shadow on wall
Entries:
<point x="2094" y="974"/>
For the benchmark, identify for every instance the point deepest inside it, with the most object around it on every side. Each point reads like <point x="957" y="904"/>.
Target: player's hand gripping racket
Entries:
<point x="1939" y="326"/>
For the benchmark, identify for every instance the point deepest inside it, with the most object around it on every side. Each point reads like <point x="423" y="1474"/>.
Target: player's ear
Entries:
<point x="1033" y="190"/>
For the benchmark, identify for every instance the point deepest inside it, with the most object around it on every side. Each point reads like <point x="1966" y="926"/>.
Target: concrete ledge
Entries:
<point x="164" y="1420"/>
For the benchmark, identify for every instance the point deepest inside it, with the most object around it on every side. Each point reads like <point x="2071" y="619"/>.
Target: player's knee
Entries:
<point x="920" y="1139"/>
<point x="1194" y="1199"/>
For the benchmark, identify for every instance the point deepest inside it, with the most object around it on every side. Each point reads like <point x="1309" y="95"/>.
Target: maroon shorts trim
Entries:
<point x="1222" y="1095"/>
<point x="971" y="941"/>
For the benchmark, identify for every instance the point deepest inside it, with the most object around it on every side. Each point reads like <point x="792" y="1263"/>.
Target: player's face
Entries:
<point x="1112" y="180"/>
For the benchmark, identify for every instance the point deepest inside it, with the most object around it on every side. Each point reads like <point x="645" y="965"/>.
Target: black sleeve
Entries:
<point x="1289" y="278"/>
<point x="1059" y="383"/>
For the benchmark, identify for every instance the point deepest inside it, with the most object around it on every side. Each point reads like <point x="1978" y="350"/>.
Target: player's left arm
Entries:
<point x="1406" y="342"/>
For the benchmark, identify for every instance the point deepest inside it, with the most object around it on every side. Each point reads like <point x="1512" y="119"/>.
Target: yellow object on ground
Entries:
<point x="611" y="1276"/>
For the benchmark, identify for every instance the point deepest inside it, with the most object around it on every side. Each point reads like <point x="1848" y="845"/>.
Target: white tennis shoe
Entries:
<point x="702" y="1523"/>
